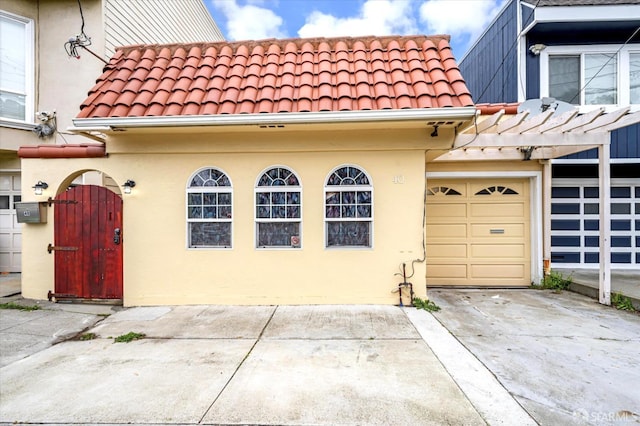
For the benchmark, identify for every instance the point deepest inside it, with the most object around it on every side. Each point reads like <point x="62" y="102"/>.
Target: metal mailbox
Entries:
<point x="35" y="212"/>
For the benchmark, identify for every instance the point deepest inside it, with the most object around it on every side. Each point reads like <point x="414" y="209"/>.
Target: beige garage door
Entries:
<point x="478" y="232"/>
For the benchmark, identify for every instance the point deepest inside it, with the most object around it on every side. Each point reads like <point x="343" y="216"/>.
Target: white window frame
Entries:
<point x="29" y="73"/>
<point x="210" y="189"/>
<point x="622" y="81"/>
<point x="270" y="189"/>
<point x="341" y="188"/>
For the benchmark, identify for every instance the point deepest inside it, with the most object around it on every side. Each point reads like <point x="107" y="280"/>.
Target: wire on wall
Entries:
<point x="81" y="40"/>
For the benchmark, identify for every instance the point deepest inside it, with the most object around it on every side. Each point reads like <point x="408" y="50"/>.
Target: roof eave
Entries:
<point x="459" y="114"/>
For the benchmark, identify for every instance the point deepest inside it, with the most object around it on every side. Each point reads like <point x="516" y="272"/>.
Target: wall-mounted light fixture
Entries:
<point x="128" y="185"/>
<point x="537" y="48"/>
<point x="39" y="187"/>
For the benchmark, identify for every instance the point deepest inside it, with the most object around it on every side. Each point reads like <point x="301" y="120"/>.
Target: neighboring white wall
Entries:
<point x="157" y="22"/>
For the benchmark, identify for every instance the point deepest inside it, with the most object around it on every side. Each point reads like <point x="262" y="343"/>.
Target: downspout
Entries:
<point x="546" y="217"/>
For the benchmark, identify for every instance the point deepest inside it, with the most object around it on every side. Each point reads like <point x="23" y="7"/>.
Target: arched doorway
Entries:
<point x="88" y="242"/>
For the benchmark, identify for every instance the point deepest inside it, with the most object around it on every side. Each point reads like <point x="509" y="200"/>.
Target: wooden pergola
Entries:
<point x="545" y="136"/>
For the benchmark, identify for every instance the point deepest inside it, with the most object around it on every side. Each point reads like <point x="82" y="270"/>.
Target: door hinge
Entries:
<point x="52" y="201"/>
<point x="51" y="248"/>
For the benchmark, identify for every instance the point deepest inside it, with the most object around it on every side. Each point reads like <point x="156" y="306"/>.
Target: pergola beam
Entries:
<point x="503" y="140"/>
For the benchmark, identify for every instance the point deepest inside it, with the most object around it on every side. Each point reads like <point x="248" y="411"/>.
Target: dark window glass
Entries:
<point x="565" y="257"/>
<point x="592" y="258"/>
<point x="591" y="241"/>
<point x="565" y="241"/>
<point x="591" y="225"/>
<point x="620" y="192"/>
<point x="621" y="225"/>
<point x="565" y="192"/>
<point x="620" y="257"/>
<point x="619" y="241"/>
<point x="565" y="225"/>
<point x="561" y="208"/>
<point x="591" y="192"/>
<point x="620" y="208"/>
<point x="4" y="202"/>
<point x="591" y="208"/>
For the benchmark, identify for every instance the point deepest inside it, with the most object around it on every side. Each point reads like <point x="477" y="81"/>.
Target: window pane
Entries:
<point x="634" y="77"/>
<point x="277" y="234"/>
<point x="564" y="78"/>
<point x="210" y="234"/>
<point x="600" y="76"/>
<point x="12" y="106"/>
<point x="349" y="234"/>
<point x="12" y="58"/>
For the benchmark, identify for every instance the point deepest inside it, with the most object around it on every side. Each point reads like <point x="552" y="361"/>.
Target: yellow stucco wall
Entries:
<point x="160" y="269"/>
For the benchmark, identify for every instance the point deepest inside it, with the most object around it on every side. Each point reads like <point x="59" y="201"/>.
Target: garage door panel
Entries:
<point x="446" y="210"/>
<point x="497" y="230"/>
<point x="497" y="210"/>
<point x="447" y="230"/>
<point x="497" y="271"/>
<point x="486" y="243"/>
<point x="447" y="251"/>
<point x="446" y="271"/>
<point x="492" y="251"/>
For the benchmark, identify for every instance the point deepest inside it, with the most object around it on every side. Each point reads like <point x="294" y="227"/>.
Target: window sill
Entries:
<point x="17" y="125"/>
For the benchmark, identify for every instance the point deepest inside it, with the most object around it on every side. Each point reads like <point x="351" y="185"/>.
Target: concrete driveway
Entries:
<point x="294" y="365"/>
<point x="499" y="357"/>
<point x="565" y="358"/>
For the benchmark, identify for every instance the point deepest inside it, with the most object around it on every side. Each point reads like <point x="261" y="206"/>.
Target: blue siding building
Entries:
<point x="585" y="53"/>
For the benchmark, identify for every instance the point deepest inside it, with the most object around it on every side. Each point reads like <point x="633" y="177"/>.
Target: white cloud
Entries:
<point x="376" y="17"/>
<point x="458" y="17"/>
<point x="250" y="22"/>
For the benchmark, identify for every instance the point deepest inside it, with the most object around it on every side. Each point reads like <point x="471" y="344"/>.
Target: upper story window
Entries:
<point x="16" y="68"/>
<point x="634" y="77"/>
<point x="278" y="209"/>
<point x="348" y="211"/>
<point x="209" y="209"/>
<point x="591" y="75"/>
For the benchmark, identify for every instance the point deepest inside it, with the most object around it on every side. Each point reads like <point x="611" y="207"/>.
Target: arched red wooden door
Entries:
<point x="88" y="243"/>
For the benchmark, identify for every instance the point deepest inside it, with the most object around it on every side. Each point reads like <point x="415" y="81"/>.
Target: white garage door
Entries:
<point x="478" y="232"/>
<point x="10" y="230"/>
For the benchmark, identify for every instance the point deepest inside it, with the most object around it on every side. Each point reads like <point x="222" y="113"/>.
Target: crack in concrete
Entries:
<point x="239" y="366"/>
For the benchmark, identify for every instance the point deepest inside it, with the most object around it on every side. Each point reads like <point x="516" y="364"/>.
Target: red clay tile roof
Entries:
<point x="272" y="76"/>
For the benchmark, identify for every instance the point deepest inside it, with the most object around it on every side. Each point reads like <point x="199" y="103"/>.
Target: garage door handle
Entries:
<point x="496" y="231"/>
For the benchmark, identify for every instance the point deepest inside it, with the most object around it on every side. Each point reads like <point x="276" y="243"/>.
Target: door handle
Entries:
<point x="116" y="235"/>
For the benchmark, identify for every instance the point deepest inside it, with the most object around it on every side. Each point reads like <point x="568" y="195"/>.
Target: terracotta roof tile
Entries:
<point x="272" y="76"/>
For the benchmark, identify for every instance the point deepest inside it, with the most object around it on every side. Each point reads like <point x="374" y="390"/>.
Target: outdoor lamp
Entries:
<point x="128" y="185"/>
<point x="39" y="187"/>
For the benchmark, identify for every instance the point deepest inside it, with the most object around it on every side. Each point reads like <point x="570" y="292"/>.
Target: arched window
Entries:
<point x="497" y="190"/>
<point x="278" y="209"/>
<point x="209" y="209"/>
<point x="348" y="208"/>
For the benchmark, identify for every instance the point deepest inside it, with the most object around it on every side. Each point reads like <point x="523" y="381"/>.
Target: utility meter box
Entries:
<point x="35" y="212"/>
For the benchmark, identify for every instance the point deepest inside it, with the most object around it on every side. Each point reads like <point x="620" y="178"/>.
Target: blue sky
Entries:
<point x="463" y="20"/>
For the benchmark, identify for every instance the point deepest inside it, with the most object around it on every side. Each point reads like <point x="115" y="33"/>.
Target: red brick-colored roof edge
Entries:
<point x="62" y="151"/>
<point x="279" y="76"/>
<point x="488" y="109"/>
